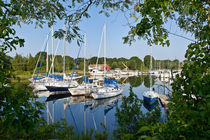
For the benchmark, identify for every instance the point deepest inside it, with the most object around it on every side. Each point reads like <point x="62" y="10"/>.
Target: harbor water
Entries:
<point x="86" y="113"/>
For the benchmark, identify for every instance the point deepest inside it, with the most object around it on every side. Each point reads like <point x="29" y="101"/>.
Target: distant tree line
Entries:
<point x="22" y="63"/>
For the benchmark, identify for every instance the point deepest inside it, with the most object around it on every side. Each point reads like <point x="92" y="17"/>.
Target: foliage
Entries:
<point x="189" y="108"/>
<point x="147" y="61"/>
<point x="19" y="116"/>
<point x="167" y="64"/>
<point x="135" y="63"/>
<point x="135" y="81"/>
<point x="132" y="120"/>
<point x="21" y="63"/>
<point x="188" y="116"/>
<point x="20" y="112"/>
<point x="147" y="81"/>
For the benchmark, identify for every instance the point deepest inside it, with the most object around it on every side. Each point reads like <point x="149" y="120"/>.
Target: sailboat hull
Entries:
<point x="150" y="97"/>
<point x="54" y="88"/>
<point x="150" y="100"/>
<point x="106" y="94"/>
<point x="79" y="92"/>
<point x="39" y="87"/>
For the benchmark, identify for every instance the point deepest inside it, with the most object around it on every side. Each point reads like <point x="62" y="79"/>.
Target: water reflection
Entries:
<point x="85" y="113"/>
<point x="81" y="112"/>
<point x="150" y="107"/>
<point x="135" y="81"/>
<point x="147" y="81"/>
<point x="58" y="96"/>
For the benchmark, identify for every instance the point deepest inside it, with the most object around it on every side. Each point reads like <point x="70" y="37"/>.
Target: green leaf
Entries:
<point x="144" y="129"/>
<point x="168" y="43"/>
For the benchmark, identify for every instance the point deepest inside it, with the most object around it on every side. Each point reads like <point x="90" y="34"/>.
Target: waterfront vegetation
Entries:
<point x="188" y="117"/>
<point x="24" y="66"/>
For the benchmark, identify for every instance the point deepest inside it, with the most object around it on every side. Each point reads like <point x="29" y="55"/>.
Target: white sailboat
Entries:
<point x="107" y="92"/>
<point x="84" y="88"/>
<point x="39" y="83"/>
<point x="64" y="84"/>
<point x="111" y="88"/>
<point x="150" y="96"/>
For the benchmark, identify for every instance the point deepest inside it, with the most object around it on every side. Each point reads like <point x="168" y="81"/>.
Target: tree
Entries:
<point x="132" y="65"/>
<point x="20" y="113"/>
<point x="130" y="118"/>
<point x="58" y="63"/>
<point x="114" y="65"/>
<point x="69" y="63"/>
<point x="188" y="116"/>
<point x="147" y="61"/>
<point x="93" y="60"/>
<point x="188" y="111"/>
<point x="19" y="63"/>
<point x="31" y="63"/>
<point x="175" y="64"/>
<point x="138" y="62"/>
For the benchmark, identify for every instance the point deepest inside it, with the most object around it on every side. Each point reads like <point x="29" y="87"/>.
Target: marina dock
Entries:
<point x="163" y="100"/>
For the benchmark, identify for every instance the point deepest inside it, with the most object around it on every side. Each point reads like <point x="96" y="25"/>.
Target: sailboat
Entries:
<point x="85" y="88"/>
<point x="111" y="88"/>
<point x="107" y="92"/>
<point x="150" y="96"/>
<point x="64" y="84"/>
<point x="148" y="106"/>
<point x="39" y="82"/>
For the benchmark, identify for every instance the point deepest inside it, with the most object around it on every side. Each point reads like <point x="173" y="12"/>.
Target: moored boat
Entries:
<point x="150" y="96"/>
<point x="61" y="86"/>
<point x="107" y="92"/>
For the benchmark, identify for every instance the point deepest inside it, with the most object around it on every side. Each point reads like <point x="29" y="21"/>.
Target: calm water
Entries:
<point x="85" y="113"/>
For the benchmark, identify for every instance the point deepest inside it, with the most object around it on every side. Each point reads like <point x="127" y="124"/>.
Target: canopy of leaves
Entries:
<point x="188" y="110"/>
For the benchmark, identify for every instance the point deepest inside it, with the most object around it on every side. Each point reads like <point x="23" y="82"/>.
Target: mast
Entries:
<point x="150" y="68"/>
<point x="47" y="65"/>
<point x="84" y="52"/>
<point x="52" y="49"/>
<point x="64" y="50"/>
<point x="104" y="117"/>
<point x="85" y="117"/>
<point x="104" y="49"/>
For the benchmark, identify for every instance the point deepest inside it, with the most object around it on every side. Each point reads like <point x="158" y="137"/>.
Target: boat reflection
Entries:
<point x="148" y="106"/>
<point x="60" y="96"/>
<point x="43" y="93"/>
<point x="106" y="102"/>
<point x="81" y="112"/>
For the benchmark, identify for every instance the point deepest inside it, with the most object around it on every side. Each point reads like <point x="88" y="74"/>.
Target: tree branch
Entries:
<point x="85" y="10"/>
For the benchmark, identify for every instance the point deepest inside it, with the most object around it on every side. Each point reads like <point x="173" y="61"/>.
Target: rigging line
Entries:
<point x="73" y="117"/>
<point x="42" y="58"/>
<point x="163" y="86"/>
<point x="99" y="50"/>
<point x="40" y="55"/>
<point x="54" y="56"/>
<point x="75" y="65"/>
<point x="181" y="36"/>
<point x="94" y="122"/>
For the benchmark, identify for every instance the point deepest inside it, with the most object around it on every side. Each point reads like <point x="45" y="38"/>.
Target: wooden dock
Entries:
<point x="163" y="100"/>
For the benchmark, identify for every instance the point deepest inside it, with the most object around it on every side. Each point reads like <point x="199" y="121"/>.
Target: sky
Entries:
<point x="116" y="29"/>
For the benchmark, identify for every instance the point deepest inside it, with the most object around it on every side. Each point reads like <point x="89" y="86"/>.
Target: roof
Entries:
<point x="94" y="65"/>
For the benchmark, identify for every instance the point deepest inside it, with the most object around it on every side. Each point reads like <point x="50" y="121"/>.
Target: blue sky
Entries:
<point x="116" y="29"/>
